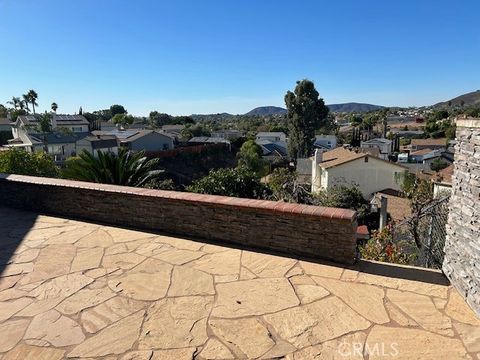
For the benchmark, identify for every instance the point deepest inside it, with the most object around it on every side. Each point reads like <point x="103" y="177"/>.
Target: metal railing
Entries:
<point x="425" y="233"/>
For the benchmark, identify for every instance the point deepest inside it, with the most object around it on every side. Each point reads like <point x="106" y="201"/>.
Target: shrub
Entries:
<point x="238" y="182"/>
<point x="21" y="162"/>
<point x="381" y="247"/>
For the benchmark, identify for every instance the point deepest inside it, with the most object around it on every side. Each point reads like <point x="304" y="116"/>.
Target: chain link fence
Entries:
<point x="424" y="234"/>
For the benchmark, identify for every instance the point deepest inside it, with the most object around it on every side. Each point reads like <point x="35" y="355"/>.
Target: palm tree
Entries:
<point x="16" y="101"/>
<point x="126" y="168"/>
<point x="54" y="107"/>
<point x="33" y="96"/>
<point x="26" y="101"/>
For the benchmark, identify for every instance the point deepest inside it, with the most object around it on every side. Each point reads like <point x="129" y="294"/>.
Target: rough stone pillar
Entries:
<point x="462" y="247"/>
<point x="383" y="212"/>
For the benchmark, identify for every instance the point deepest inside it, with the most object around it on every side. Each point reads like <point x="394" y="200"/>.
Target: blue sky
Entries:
<point x="205" y="56"/>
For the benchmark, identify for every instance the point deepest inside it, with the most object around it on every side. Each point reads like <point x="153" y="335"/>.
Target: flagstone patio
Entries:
<point x="71" y="289"/>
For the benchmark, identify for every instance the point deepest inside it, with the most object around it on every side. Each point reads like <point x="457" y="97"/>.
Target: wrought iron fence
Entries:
<point x="424" y="234"/>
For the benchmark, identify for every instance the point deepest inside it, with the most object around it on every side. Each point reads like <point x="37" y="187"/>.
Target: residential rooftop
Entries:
<point x="74" y="289"/>
<point x="422" y="152"/>
<point x="5" y="121"/>
<point x="429" y="142"/>
<point x="445" y="175"/>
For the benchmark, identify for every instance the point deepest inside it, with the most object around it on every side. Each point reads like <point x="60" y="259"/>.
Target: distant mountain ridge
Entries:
<point x="354" y="107"/>
<point x="347" y="107"/>
<point x="266" y="110"/>
<point x="468" y="99"/>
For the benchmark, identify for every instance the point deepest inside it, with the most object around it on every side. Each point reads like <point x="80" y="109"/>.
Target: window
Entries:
<point x="366" y="159"/>
<point x="77" y="128"/>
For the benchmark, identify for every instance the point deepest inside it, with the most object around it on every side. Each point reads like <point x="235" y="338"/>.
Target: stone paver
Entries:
<point x="70" y="289"/>
<point x="248" y="338"/>
<point x="317" y="322"/>
<point x="148" y="281"/>
<point x="55" y="329"/>
<point x="176" y="322"/>
<point x="412" y="344"/>
<point x="115" y="339"/>
<point x="11" y="332"/>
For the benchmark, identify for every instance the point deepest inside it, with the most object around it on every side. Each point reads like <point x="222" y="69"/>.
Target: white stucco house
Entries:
<point x="342" y="166"/>
<point x="384" y="146"/>
<point x="72" y="123"/>
<point x="60" y="141"/>
<point x="325" y="142"/>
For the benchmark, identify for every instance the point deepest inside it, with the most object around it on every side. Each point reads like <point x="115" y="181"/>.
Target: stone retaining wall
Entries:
<point x="462" y="247"/>
<point x="304" y="230"/>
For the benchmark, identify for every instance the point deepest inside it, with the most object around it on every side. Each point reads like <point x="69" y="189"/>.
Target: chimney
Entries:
<point x="318" y="156"/>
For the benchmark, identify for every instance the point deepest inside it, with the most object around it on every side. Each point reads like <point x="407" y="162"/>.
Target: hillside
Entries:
<point x="469" y="99"/>
<point x="354" y="107"/>
<point x="266" y="110"/>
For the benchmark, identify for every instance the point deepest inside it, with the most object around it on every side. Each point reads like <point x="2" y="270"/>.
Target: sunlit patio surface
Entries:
<point x="72" y="289"/>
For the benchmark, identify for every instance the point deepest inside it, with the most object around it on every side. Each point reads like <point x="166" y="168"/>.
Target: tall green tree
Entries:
<point x="45" y="123"/>
<point x="194" y="131"/>
<point x="159" y="119"/>
<point x="126" y="168"/>
<point x="306" y="112"/>
<point x="117" y="109"/>
<point x="250" y="157"/>
<point x="3" y="111"/>
<point x="123" y="119"/>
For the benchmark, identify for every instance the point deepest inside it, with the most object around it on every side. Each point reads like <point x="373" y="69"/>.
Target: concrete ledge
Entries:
<point x="312" y="231"/>
<point x="468" y="123"/>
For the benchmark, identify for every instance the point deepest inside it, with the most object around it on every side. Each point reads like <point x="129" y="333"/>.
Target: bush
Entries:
<point x="346" y="197"/>
<point x="381" y="247"/>
<point x="158" y="184"/>
<point x="21" y="162"/>
<point x="238" y="182"/>
<point x="438" y="165"/>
